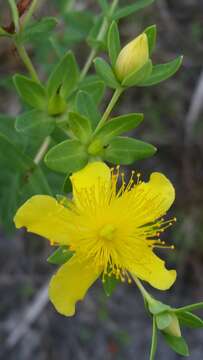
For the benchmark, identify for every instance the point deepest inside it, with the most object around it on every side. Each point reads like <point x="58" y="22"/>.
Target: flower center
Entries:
<point x="107" y="232"/>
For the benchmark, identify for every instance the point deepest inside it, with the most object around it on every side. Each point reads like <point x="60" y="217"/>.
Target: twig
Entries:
<point x="28" y="317"/>
<point x="42" y="150"/>
<point x="195" y="108"/>
<point x="22" y="7"/>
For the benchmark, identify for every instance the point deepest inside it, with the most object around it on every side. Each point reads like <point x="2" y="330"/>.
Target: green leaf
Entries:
<point x="80" y="126"/>
<point x="94" y="87"/>
<point x="162" y="72"/>
<point x="191" y="307"/>
<point x="113" y="42"/>
<point x="118" y="126"/>
<point x="60" y="256"/>
<point x="86" y="107"/>
<point x="163" y="320"/>
<point x="67" y="185"/>
<point x="31" y="92"/>
<point x="32" y="177"/>
<point x="188" y="319"/>
<point x="16" y="160"/>
<point x="128" y="10"/>
<point x="67" y="157"/>
<point x="125" y="151"/>
<point x="151" y="33"/>
<point x="178" y="344"/>
<point x="78" y="25"/>
<point x="109" y="284"/>
<point x="104" y="70"/>
<point x="64" y="76"/>
<point x="39" y="30"/>
<point x="139" y="76"/>
<point x="94" y="32"/>
<point x="104" y="5"/>
<point x="35" y="122"/>
<point x="7" y="128"/>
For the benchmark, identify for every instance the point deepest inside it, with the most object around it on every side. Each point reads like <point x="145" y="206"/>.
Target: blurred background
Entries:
<point x="115" y="328"/>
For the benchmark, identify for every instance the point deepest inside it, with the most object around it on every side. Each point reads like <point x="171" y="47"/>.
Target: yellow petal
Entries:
<point x="153" y="271"/>
<point x="132" y="57"/>
<point x="93" y="176"/>
<point x="44" y="216"/>
<point x="153" y="198"/>
<point x="70" y="285"/>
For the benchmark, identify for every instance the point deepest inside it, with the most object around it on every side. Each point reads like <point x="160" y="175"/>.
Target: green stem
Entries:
<point x="29" y="13"/>
<point x="42" y="150"/>
<point x="143" y="291"/>
<point x="26" y="60"/>
<point x="15" y="15"/>
<point x="154" y="340"/>
<point x="114" y="99"/>
<point x="100" y="37"/>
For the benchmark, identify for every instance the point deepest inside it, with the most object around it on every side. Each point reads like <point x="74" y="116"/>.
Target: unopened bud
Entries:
<point x="174" y="327"/>
<point x="132" y="57"/>
<point x="95" y="147"/>
<point x="57" y="105"/>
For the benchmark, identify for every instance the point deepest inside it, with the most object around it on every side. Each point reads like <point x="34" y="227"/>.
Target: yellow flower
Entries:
<point x="110" y="231"/>
<point x="132" y="57"/>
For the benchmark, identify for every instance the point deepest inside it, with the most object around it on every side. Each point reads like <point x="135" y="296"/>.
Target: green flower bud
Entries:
<point x="95" y="147"/>
<point x="132" y="57"/>
<point x="56" y="105"/>
<point x="174" y="327"/>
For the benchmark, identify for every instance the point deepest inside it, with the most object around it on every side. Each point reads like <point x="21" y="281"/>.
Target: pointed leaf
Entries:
<point x="191" y="307"/>
<point x="118" y="126"/>
<point x="162" y="72"/>
<point x="67" y="157"/>
<point x="151" y="33"/>
<point x="178" y="344"/>
<point x="186" y="318"/>
<point x="64" y="76"/>
<point x="17" y="160"/>
<point x="80" y="126"/>
<point x="94" y="88"/>
<point x="125" y="151"/>
<point x="86" y="106"/>
<point x="30" y="91"/>
<point x="130" y="9"/>
<point x="104" y="70"/>
<point x="39" y="30"/>
<point x="104" y="5"/>
<point x="60" y="256"/>
<point x="139" y="76"/>
<point x="109" y="284"/>
<point x="113" y="41"/>
<point x="35" y="122"/>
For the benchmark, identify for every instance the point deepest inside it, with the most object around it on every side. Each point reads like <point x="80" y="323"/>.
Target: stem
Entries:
<point x="114" y="99"/>
<point x="27" y="62"/>
<point x="15" y="15"/>
<point x="154" y="340"/>
<point x="143" y="291"/>
<point x="100" y="37"/>
<point x="29" y="13"/>
<point x="42" y="150"/>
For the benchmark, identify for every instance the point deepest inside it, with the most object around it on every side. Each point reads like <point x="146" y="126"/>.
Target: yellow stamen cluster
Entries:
<point x="110" y="225"/>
